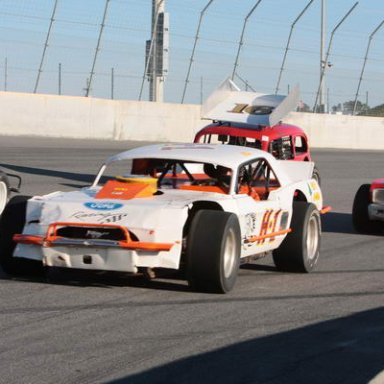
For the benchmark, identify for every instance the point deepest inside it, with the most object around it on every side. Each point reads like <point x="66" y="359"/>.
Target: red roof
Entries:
<point x="250" y="131"/>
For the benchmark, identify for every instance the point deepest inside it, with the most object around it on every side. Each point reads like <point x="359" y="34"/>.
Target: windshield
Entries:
<point x="171" y="174"/>
<point x="213" y="138"/>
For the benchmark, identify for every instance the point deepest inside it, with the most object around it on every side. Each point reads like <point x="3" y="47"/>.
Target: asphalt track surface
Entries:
<point x="77" y="327"/>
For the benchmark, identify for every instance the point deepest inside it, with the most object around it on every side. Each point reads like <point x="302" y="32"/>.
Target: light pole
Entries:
<point x="156" y="63"/>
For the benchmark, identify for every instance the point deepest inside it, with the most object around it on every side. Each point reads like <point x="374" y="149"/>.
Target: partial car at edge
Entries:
<point x="368" y="208"/>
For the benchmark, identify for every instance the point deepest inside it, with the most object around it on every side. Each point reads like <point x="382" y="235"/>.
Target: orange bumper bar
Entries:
<point x="326" y="209"/>
<point x="52" y="239"/>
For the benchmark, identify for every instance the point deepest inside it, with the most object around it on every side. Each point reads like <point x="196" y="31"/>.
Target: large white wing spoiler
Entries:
<point x="297" y="170"/>
<point x="229" y="103"/>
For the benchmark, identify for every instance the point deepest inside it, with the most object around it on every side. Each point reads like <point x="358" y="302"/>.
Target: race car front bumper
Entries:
<point x="376" y="211"/>
<point x="100" y="258"/>
<point x="125" y="255"/>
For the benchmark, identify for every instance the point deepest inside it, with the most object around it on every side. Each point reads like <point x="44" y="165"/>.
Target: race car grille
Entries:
<point x="378" y="196"/>
<point x="92" y="233"/>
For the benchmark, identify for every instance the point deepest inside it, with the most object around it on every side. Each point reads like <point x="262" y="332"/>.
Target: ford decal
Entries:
<point x="103" y="206"/>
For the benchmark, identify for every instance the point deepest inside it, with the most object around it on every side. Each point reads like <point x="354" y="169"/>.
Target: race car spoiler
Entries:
<point x="229" y="103"/>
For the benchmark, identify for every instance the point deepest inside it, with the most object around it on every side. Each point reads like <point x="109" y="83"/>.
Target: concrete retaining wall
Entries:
<point x="340" y="131"/>
<point x="80" y="117"/>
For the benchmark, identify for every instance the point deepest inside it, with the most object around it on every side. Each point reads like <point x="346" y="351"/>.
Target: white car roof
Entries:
<point x="230" y="156"/>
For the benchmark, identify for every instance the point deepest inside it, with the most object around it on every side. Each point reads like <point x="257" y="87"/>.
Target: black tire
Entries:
<point x="11" y="222"/>
<point x="213" y="251"/>
<point x="300" y="250"/>
<point x="316" y="175"/>
<point x="360" y="217"/>
<point x="4" y="191"/>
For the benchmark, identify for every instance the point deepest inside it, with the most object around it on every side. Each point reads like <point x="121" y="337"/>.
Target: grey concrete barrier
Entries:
<point x="27" y="114"/>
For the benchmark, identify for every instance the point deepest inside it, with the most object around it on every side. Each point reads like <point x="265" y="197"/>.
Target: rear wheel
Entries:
<point x="316" y="175"/>
<point x="360" y="217"/>
<point x="11" y="222"/>
<point x="213" y="251"/>
<point x="4" y="191"/>
<point x="300" y="250"/>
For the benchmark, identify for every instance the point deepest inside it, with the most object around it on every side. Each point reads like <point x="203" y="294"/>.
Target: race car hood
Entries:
<point x="164" y="213"/>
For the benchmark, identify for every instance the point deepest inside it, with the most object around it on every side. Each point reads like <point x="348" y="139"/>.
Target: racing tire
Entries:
<point x="213" y="251"/>
<point x="12" y="221"/>
<point x="316" y="175"/>
<point x="300" y="250"/>
<point x="360" y="218"/>
<point x="4" y="191"/>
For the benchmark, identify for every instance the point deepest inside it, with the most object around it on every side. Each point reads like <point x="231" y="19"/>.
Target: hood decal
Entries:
<point x="102" y="205"/>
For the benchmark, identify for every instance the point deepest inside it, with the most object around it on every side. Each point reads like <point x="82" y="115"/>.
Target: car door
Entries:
<point x="300" y="148"/>
<point x="261" y="217"/>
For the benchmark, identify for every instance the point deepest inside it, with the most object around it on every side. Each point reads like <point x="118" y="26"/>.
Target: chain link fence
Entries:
<point x="60" y="46"/>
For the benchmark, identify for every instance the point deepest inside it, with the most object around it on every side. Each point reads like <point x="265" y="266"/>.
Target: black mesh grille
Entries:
<point x="91" y="233"/>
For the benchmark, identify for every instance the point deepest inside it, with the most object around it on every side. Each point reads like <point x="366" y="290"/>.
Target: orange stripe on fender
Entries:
<point x="266" y="236"/>
<point x="145" y="246"/>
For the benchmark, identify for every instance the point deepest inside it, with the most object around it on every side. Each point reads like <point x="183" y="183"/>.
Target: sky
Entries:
<point x="75" y="30"/>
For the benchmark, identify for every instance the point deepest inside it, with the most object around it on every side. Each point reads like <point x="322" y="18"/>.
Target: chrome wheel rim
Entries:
<point x="3" y="195"/>
<point x="229" y="257"/>
<point x="312" y="237"/>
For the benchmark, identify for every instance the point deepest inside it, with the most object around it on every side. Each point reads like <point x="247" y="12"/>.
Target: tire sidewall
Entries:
<point x="232" y="225"/>
<point x="292" y="255"/>
<point x="205" y="254"/>
<point x="4" y="191"/>
<point x="312" y="215"/>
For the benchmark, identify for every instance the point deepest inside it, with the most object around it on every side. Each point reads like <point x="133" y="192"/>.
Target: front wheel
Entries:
<point x="300" y="250"/>
<point x="360" y="218"/>
<point x="4" y="191"/>
<point x="213" y="251"/>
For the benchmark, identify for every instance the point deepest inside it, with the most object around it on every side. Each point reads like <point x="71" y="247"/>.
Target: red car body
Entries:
<point x="284" y="141"/>
<point x="377" y="184"/>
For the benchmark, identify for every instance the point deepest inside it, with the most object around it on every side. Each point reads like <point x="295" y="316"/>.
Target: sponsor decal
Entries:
<point x="316" y="196"/>
<point x="313" y="184"/>
<point x="101" y="218"/>
<point x="268" y="226"/>
<point x="95" y="234"/>
<point x="250" y="223"/>
<point x="103" y="205"/>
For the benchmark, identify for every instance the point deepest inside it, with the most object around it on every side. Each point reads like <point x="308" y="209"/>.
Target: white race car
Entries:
<point x="199" y="207"/>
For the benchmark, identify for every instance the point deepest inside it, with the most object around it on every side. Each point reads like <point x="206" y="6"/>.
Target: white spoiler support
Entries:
<point x="229" y="103"/>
